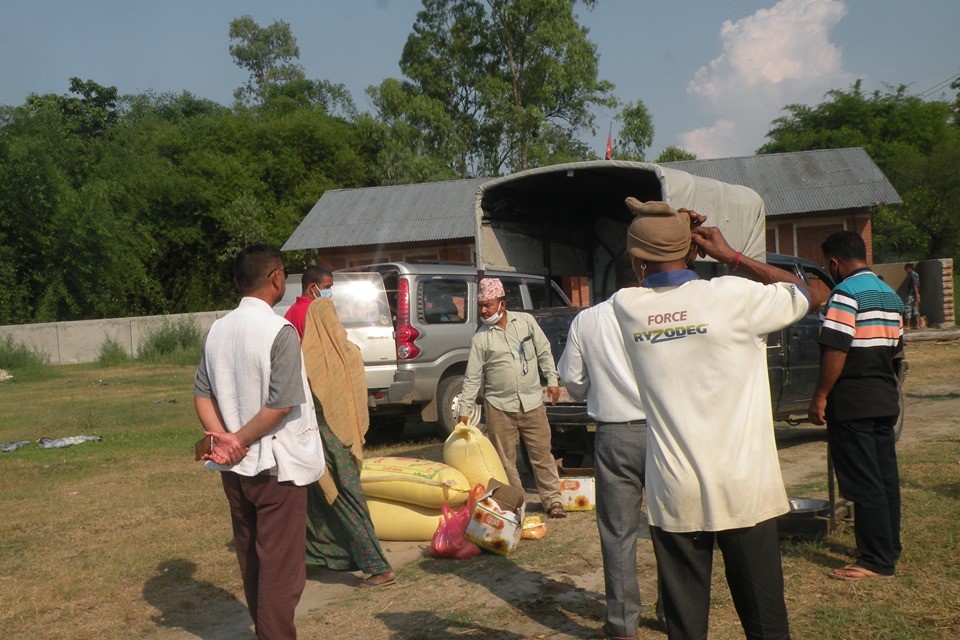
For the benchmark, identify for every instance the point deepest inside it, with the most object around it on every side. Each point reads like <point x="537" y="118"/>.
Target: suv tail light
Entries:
<point x="406" y="332"/>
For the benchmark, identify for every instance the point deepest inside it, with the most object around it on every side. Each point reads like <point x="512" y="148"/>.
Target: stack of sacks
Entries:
<point x="405" y="495"/>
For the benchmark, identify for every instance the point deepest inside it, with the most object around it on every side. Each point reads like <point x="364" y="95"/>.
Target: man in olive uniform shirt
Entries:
<point x="508" y="353"/>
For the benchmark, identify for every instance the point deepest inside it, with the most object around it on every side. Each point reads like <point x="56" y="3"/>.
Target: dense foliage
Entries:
<point x="128" y="206"/>
<point x="916" y="143"/>
<point x="117" y="205"/>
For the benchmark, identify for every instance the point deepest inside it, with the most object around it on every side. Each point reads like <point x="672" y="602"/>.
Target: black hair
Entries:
<point x="845" y="245"/>
<point x="908" y="266"/>
<point x="313" y="275"/>
<point x="253" y="266"/>
<point x="624" y="275"/>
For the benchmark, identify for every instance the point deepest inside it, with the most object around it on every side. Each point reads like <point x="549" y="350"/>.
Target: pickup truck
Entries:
<point x="413" y="321"/>
<point x="793" y="365"/>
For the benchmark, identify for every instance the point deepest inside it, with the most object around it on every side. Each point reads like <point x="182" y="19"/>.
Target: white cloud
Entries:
<point x="775" y="57"/>
<point x="710" y="142"/>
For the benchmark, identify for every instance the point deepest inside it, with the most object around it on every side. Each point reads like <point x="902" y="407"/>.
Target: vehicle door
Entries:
<point x="361" y="303"/>
<point x="444" y="313"/>
<point x="802" y="348"/>
<point x="552" y="310"/>
<point x="542" y="296"/>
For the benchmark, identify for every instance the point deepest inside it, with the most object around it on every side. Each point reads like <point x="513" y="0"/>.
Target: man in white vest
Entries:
<point x="251" y="395"/>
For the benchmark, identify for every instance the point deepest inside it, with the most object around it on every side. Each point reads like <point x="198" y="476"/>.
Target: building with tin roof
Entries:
<point x="808" y="195"/>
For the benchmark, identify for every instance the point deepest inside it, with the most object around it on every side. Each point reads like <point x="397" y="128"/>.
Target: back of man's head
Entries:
<point x="624" y="275"/>
<point x="844" y="245"/>
<point x="313" y="275"/>
<point x="253" y="266"/>
<point x="908" y="266"/>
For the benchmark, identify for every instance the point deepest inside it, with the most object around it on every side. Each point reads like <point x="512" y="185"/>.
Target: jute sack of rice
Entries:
<point x="400" y="521"/>
<point x="471" y="453"/>
<point x="414" y="481"/>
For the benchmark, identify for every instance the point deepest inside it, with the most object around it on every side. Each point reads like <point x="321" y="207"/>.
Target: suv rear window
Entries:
<point x="443" y="301"/>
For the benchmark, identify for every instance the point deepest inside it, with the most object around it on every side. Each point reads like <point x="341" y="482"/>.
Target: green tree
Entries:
<point x="675" y="154"/>
<point x="269" y="53"/>
<point x="913" y="142"/>
<point x="516" y="78"/>
<point x="90" y="113"/>
<point x="412" y="137"/>
<point x="636" y="131"/>
<point x="77" y="238"/>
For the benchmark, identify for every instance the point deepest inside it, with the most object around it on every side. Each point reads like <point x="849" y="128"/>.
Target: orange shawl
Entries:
<point x="335" y="370"/>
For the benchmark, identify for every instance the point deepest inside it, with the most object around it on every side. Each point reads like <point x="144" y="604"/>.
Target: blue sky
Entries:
<point x="713" y="74"/>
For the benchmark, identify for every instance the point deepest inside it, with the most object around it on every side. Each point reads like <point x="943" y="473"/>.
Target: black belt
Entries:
<point x="630" y="423"/>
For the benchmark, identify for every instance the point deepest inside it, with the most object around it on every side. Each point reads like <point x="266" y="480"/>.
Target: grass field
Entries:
<point x="101" y="539"/>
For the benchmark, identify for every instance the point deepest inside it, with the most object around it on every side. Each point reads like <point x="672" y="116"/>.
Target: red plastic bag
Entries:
<point x="448" y="540"/>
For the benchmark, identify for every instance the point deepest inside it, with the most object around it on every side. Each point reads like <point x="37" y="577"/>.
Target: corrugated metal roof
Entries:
<point x="803" y="181"/>
<point x="796" y="182"/>
<point x="384" y="215"/>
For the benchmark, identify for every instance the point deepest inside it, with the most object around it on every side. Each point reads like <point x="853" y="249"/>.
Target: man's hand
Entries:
<point x="815" y="411"/>
<point x="228" y="449"/>
<point x="464" y="419"/>
<point x="710" y="242"/>
<point x="554" y="394"/>
<point x="696" y="219"/>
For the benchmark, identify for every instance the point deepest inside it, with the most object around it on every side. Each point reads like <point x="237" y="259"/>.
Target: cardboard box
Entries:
<point x="578" y="489"/>
<point x="498" y="532"/>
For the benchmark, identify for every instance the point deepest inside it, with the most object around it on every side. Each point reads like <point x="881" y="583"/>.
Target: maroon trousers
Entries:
<point x="269" y="531"/>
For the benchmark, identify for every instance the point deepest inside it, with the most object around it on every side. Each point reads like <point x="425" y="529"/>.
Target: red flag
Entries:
<point x="609" y="154"/>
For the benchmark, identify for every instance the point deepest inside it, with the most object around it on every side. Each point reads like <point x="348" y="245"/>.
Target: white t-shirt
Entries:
<point x="594" y="367"/>
<point x="700" y="350"/>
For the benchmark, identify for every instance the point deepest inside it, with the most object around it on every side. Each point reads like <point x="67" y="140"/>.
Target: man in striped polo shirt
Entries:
<point x="856" y="396"/>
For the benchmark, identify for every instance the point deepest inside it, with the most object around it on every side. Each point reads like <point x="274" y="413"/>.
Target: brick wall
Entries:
<point x="936" y="287"/>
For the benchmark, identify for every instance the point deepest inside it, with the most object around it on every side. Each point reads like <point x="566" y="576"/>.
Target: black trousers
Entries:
<point x="754" y="574"/>
<point x="865" y="459"/>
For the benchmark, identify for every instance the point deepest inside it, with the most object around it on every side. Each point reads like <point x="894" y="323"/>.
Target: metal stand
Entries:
<point x="839" y="509"/>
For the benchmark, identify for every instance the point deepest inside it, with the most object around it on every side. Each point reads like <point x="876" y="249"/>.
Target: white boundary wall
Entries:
<point x="80" y="341"/>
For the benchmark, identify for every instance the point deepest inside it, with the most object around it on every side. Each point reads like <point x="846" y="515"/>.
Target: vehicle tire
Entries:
<point x="448" y="402"/>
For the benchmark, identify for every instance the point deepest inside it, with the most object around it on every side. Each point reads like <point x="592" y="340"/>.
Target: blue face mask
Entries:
<point x="325" y="293"/>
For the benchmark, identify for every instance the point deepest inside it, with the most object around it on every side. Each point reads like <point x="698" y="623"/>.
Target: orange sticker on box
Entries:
<point x="492" y="521"/>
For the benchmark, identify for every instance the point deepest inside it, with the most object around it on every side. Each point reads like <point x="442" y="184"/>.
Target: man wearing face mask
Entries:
<point x="316" y="282"/>
<point x="856" y="396"/>
<point x="508" y="353"/>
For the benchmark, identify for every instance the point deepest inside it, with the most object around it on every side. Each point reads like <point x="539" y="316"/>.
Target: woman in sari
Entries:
<point x="340" y="534"/>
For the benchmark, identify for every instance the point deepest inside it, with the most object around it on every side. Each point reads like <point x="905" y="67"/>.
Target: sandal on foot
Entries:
<point x="379" y="580"/>
<point x="855" y="572"/>
<point x="556" y="511"/>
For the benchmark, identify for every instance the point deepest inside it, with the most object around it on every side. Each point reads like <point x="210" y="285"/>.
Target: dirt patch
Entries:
<point x="551" y="588"/>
